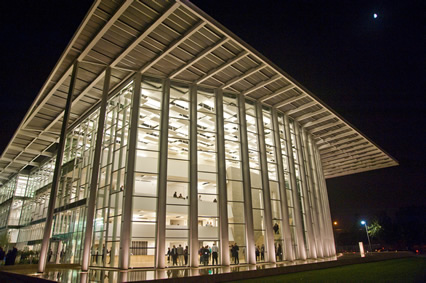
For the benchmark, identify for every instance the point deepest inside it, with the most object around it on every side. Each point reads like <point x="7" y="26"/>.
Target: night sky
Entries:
<point x="370" y="71"/>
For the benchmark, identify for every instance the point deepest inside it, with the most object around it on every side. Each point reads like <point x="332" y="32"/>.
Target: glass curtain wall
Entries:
<point x="208" y="198"/>
<point x="177" y="202"/>
<point x="271" y="153"/>
<point x="234" y="178"/>
<point x="256" y="180"/>
<point x="70" y="208"/>
<point x="106" y="243"/>
<point x="34" y="208"/>
<point x="145" y="195"/>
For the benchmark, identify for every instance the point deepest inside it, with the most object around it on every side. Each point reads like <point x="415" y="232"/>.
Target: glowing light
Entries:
<point x="375" y="16"/>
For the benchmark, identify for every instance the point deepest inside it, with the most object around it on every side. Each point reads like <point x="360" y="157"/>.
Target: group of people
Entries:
<point x="260" y="252"/>
<point x="206" y="252"/>
<point x="179" y="255"/>
<point x="180" y="196"/>
<point x="9" y="258"/>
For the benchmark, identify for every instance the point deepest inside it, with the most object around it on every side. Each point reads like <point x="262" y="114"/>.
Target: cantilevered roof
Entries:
<point x="176" y="39"/>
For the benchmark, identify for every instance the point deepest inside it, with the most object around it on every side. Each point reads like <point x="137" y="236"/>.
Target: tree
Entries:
<point x="375" y="229"/>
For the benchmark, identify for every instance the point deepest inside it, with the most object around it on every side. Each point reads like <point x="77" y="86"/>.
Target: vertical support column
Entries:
<point x="314" y="197"/>
<point x="265" y="184"/>
<point x="297" y="209"/>
<point x="162" y="178"/>
<point x="308" y="214"/>
<point x="326" y="209"/>
<point x="325" y="234"/>
<point x="127" y="216"/>
<point x="248" y="208"/>
<point x="193" y="178"/>
<point x="221" y="182"/>
<point x="289" y="253"/>
<point x="95" y="173"/>
<point x="57" y="172"/>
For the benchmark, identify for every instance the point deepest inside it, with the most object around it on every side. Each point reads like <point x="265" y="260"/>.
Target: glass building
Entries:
<point x="160" y="131"/>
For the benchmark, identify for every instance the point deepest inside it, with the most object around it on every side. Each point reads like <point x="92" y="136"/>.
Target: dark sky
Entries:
<point x="370" y="71"/>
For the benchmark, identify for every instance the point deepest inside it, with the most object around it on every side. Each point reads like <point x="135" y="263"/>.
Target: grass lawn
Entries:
<point x="396" y="270"/>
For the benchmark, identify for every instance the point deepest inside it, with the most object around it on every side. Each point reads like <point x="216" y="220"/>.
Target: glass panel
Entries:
<point x="235" y="191"/>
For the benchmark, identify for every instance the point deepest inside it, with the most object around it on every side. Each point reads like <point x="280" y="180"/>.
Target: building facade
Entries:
<point x="165" y="130"/>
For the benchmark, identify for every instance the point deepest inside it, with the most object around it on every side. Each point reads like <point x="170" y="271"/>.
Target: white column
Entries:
<point x="162" y="178"/>
<point x="326" y="208"/>
<point x="56" y="174"/>
<point x="288" y="247"/>
<point x="270" y="249"/>
<point x="248" y="207"/>
<point x="315" y="197"/>
<point x="296" y="200"/>
<point x="127" y="215"/>
<point x="95" y="173"/>
<point x="221" y="181"/>
<point x="310" y="242"/>
<point x="193" y="178"/>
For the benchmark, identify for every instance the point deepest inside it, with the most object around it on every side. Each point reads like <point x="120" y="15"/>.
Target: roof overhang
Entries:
<point x="176" y="39"/>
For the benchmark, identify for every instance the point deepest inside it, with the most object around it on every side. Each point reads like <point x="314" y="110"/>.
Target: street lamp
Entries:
<point x="366" y="231"/>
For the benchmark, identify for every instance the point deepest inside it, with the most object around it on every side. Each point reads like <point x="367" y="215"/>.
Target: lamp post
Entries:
<point x="366" y="231"/>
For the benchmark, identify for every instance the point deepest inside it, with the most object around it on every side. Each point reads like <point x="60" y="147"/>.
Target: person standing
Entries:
<point x="206" y="255"/>
<point x="280" y="252"/>
<point x="180" y="255"/>
<point x="174" y="255"/>
<point x="236" y="255"/>
<point x="215" y="250"/>
<point x="257" y="253"/>
<point x="169" y="253"/>
<point x="185" y="255"/>
<point x="262" y="253"/>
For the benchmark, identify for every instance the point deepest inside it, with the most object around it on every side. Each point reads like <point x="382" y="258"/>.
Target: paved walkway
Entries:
<point x="72" y="273"/>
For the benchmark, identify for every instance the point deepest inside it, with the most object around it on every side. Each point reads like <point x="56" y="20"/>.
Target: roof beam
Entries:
<point x="318" y="121"/>
<point x="262" y="84"/>
<point x="302" y="107"/>
<point x="36" y="164"/>
<point x="310" y="114"/>
<point x="276" y="93"/>
<point x="31" y="151"/>
<point x="324" y="143"/>
<point x="83" y="54"/>
<point x="333" y="132"/>
<point x="346" y="162"/>
<point x="360" y="164"/>
<point x="35" y="135"/>
<point x="344" y="146"/>
<point x="334" y="173"/>
<point x="341" y="141"/>
<point x="243" y="76"/>
<point x="360" y="150"/>
<point x="326" y="127"/>
<point x="221" y="67"/>
<point x="199" y="56"/>
<point x="174" y="44"/>
<point x="289" y="100"/>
